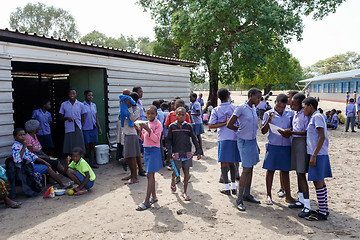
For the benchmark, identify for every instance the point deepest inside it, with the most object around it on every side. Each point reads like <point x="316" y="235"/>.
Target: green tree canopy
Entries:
<point x="142" y="44"/>
<point x="337" y="63"/>
<point x="44" y="20"/>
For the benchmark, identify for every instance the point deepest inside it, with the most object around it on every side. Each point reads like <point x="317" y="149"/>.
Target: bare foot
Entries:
<point x="126" y="178"/>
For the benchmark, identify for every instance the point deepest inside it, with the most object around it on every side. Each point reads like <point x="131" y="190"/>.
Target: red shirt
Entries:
<point x="172" y="118"/>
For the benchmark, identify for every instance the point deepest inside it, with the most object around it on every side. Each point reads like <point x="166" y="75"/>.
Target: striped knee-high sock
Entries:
<point x="321" y="194"/>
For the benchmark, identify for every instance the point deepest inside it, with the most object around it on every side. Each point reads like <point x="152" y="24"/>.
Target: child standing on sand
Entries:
<point x="228" y="153"/>
<point x="151" y="136"/>
<point x="317" y="146"/>
<point x="179" y="148"/>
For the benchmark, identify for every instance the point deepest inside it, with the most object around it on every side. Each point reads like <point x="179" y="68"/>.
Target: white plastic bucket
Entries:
<point x="102" y="153"/>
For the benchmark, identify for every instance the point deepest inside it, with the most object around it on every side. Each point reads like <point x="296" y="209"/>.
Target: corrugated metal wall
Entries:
<point x="164" y="82"/>
<point x="6" y="108"/>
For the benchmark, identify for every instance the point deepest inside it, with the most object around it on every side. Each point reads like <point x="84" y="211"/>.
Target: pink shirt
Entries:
<point x="152" y="139"/>
<point x="33" y="142"/>
<point x="205" y="117"/>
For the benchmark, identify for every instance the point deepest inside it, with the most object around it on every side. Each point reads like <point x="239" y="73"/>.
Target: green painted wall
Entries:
<point x="92" y="79"/>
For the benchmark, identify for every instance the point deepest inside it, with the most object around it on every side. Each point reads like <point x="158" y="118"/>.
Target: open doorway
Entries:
<point x="33" y="82"/>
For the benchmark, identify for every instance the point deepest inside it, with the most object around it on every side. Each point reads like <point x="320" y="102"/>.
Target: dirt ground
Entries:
<point x="108" y="211"/>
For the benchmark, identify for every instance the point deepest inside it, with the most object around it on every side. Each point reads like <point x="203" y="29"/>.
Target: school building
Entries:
<point x="35" y="67"/>
<point x="334" y="86"/>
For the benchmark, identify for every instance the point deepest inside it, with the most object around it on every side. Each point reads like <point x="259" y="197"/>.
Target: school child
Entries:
<point x="261" y="107"/>
<point x="44" y="117"/>
<point x="228" y="153"/>
<point x="354" y="95"/>
<point x="179" y="148"/>
<point x="245" y="121"/>
<point x="205" y="118"/>
<point x="140" y="93"/>
<point x="72" y="112"/>
<point x="172" y="115"/>
<point x="160" y="115"/>
<point x="195" y="108"/>
<point x="165" y="108"/>
<point x="278" y="149"/>
<point x="350" y="115"/>
<point x="201" y="101"/>
<point x="91" y="126"/>
<point x="341" y="116"/>
<point x="334" y="120"/>
<point x="131" y="150"/>
<point x="268" y="106"/>
<point x="80" y="172"/>
<point x="299" y="157"/>
<point x="20" y="152"/>
<point x="319" y="166"/>
<point x="347" y="97"/>
<point x="151" y="136"/>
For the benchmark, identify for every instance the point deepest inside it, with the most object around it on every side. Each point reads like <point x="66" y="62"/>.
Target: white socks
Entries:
<point x="301" y="197"/>
<point x="227" y="186"/>
<point x="233" y="185"/>
<point x="307" y="203"/>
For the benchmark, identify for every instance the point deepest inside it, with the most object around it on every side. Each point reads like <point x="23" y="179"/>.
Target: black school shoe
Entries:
<point x="233" y="191"/>
<point x="226" y="192"/>
<point x="142" y="173"/>
<point x="317" y="217"/>
<point x="250" y="198"/>
<point x="305" y="213"/>
<point x="240" y="206"/>
<point x="296" y="205"/>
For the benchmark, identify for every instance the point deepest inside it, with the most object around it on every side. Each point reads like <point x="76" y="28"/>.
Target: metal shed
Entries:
<point x="334" y="86"/>
<point x="34" y="67"/>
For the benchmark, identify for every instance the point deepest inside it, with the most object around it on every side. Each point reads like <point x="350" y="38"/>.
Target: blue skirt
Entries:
<point x="249" y="152"/>
<point x="322" y="169"/>
<point x="198" y="129"/>
<point x="152" y="159"/>
<point x="277" y="158"/>
<point x="90" y="136"/>
<point x="228" y="151"/>
<point x="46" y="141"/>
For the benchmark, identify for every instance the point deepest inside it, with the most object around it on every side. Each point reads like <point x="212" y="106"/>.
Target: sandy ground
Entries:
<point x="108" y="211"/>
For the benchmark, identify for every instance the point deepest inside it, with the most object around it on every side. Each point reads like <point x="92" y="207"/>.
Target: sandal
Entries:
<point x="186" y="197"/>
<point x="14" y="205"/>
<point x="268" y="201"/>
<point x="173" y="188"/>
<point x="131" y="181"/>
<point x="152" y="201"/>
<point x="143" y="207"/>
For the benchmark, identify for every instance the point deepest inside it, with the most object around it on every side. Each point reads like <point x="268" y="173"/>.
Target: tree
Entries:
<point x="43" y="20"/>
<point x="232" y="39"/>
<point x="337" y="63"/>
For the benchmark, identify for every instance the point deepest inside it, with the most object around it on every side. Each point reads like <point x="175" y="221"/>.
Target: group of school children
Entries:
<point x="297" y="140"/>
<point x="81" y="132"/>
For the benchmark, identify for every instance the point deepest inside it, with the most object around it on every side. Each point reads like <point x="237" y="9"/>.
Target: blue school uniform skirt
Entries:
<point x="322" y="169"/>
<point x="46" y="141"/>
<point x="39" y="168"/>
<point x="90" y="136"/>
<point x="228" y="151"/>
<point x="152" y="159"/>
<point x="198" y="129"/>
<point x="249" y="152"/>
<point x="277" y="158"/>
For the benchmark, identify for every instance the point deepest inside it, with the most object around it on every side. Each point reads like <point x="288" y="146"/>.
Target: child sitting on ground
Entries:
<point x="334" y="120"/>
<point x="80" y="171"/>
<point x="341" y="117"/>
<point x="124" y="113"/>
<point x="179" y="148"/>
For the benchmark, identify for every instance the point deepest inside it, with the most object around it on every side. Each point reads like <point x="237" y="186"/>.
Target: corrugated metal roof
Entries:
<point x="334" y="76"/>
<point x="33" y="39"/>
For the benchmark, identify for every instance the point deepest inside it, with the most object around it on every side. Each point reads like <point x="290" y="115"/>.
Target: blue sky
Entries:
<point x="335" y="34"/>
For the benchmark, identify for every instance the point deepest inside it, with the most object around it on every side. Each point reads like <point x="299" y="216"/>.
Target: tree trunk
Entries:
<point x="267" y="89"/>
<point x="214" y="86"/>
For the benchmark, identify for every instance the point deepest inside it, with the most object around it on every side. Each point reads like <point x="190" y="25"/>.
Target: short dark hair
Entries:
<point x="86" y="92"/>
<point x="161" y="101"/>
<point x="223" y="93"/>
<point x="164" y="105"/>
<point x="299" y="97"/>
<point x="134" y="96"/>
<point x="351" y="100"/>
<point x="292" y="93"/>
<point x="310" y="101"/>
<point x="152" y="107"/>
<point x="320" y="110"/>
<point x="338" y="111"/>
<point x="136" y="89"/>
<point x="17" y="130"/>
<point x="333" y="110"/>
<point x="180" y="109"/>
<point x="78" y="150"/>
<point x="254" y="91"/>
<point x="71" y="89"/>
<point x="156" y="103"/>
<point x="282" y="98"/>
<point x="179" y="101"/>
<point x="194" y="95"/>
<point x="177" y="98"/>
